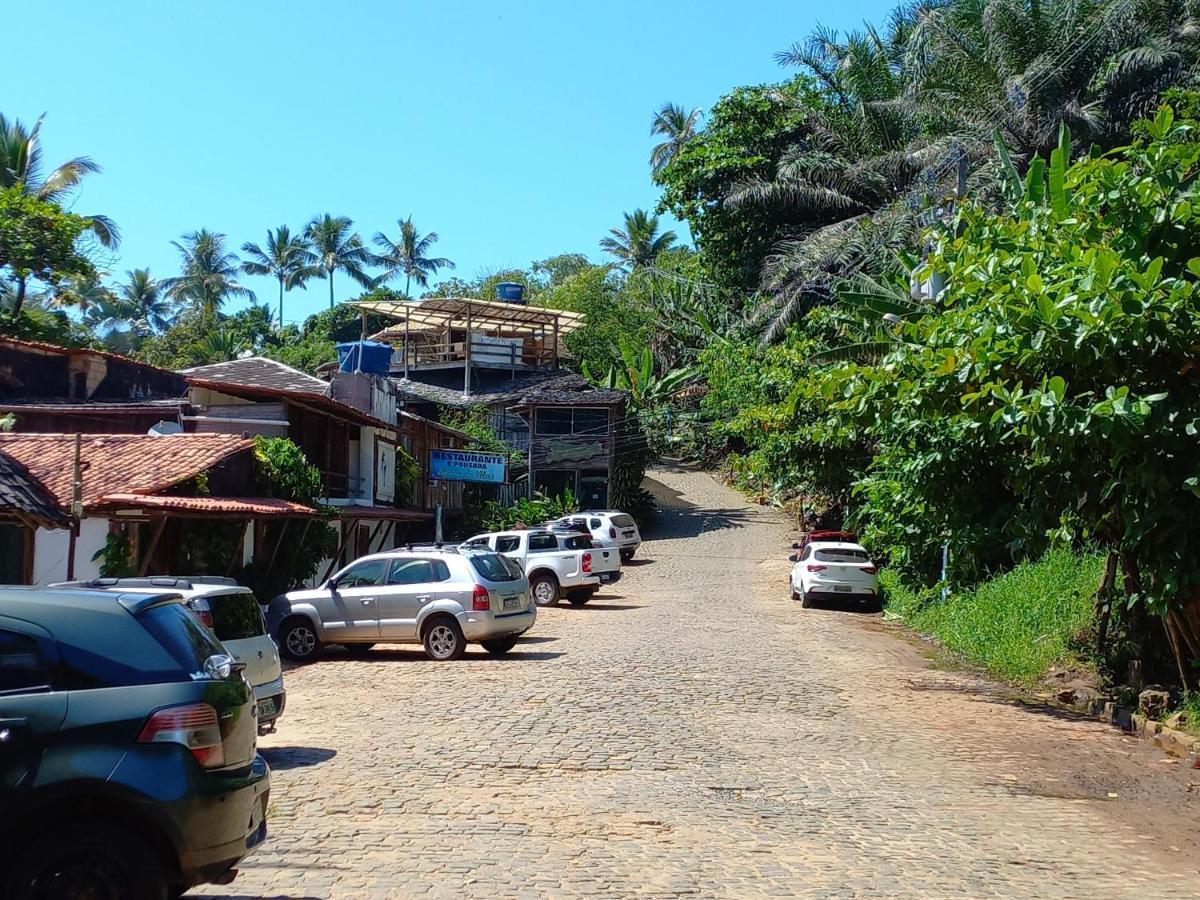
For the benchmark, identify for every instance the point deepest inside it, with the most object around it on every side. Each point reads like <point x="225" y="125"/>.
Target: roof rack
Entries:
<point x="184" y="583"/>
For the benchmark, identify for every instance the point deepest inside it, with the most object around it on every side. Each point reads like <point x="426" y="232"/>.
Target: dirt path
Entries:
<point x="695" y="733"/>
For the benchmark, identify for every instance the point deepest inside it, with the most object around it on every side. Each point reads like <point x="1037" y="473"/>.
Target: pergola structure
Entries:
<point x="446" y="314"/>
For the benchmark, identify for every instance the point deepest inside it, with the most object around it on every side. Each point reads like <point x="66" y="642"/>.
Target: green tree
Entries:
<point x="638" y="242"/>
<point x="339" y="248"/>
<point x="408" y="256"/>
<point x="38" y="240"/>
<point x="677" y="126"/>
<point x="287" y="258"/>
<point x="21" y="166"/>
<point x="152" y="312"/>
<point x="209" y="276"/>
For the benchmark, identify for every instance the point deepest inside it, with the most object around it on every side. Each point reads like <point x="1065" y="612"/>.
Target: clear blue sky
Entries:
<point x="515" y="130"/>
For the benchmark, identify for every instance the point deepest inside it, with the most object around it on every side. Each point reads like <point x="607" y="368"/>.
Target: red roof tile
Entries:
<point x="234" y="506"/>
<point x="119" y="463"/>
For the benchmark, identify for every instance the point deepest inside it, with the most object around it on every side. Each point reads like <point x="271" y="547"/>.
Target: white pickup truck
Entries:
<point x="554" y="569"/>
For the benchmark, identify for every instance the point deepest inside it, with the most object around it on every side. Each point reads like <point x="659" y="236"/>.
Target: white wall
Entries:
<point x="50" y="551"/>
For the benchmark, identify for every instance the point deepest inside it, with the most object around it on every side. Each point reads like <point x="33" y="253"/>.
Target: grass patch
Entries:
<point x="1191" y="713"/>
<point x="1017" y="625"/>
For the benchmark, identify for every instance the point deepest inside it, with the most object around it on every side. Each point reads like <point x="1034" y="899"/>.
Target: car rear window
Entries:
<point x="493" y="567"/>
<point x="621" y="520"/>
<point x="178" y="632"/>
<point x="577" y="542"/>
<point x="236" y="617"/>
<point x="841" y="556"/>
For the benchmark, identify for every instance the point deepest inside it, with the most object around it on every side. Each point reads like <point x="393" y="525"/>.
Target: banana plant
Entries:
<point x="637" y="374"/>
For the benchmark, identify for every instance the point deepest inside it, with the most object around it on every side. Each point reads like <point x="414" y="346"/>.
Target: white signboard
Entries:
<point x="385" y="470"/>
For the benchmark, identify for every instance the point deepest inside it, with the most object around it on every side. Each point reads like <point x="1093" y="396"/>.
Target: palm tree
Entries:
<point x="288" y="258"/>
<point x="638" y="243"/>
<point x="82" y="293"/>
<point x="407" y="256"/>
<point x="109" y="316"/>
<point x="150" y="309"/>
<point x="678" y="126"/>
<point x="21" y="164"/>
<point x="209" y="273"/>
<point x="337" y="246"/>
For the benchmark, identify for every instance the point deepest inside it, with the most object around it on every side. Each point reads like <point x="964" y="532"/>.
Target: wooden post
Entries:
<point x="275" y="551"/>
<point x="76" y="505"/>
<point x="406" y="340"/>
<point x="467" y="367"/>
<point x="555" y="339"/>
<point x="239" y="550"/>
<point x="337" y="554"/>
<point x="148" y="556"/>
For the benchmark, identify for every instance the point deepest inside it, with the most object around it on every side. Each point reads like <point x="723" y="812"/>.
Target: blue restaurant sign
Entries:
<point x="461" y="465"/>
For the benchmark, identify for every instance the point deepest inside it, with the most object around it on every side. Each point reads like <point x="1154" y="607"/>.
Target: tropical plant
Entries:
<point x="408" y="256"/>
<point x="639" y="241"/>
<point x="21" y="166"/>
<point x="209" y="276"/>
<point x="675" y="124"/>
<point x="221" y="345"/>
<point x="38" y="241"/>
<point x="287" y="258"/>
<point x="638" y="375"/>
<point x="337" y="247"/>
<point x="527" y="511"/>
<point x="82" y="293"/>
<point x="149" y="307"/>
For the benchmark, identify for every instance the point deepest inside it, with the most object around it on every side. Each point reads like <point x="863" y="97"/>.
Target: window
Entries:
<point x="178" y="632"/>
<point x="542" y="541"/>
<point x="418" y="571"/>
<point x="236" y="617"/>
<point x="492" y="567"/>
<point x="806" y="553"/>
<point x="22" y="669"/>
<point x="621" y="520"/>
<point x="478" y="543"/>
<point x="507" y="543"/>
<point x="363" y="574"/>
<point x="595" y="523"/>
<point x="553" y="421"/>
<point x="577" y="542"/>
<point x="841" y="555"/>
<point x="591" y="422"/>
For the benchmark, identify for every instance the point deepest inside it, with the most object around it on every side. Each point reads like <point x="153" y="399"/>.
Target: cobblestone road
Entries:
<point x="696" y="734"/>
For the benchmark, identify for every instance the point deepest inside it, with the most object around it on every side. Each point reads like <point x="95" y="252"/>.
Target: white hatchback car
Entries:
<point x="608" y="527"/>
<point x="833" y="569"/>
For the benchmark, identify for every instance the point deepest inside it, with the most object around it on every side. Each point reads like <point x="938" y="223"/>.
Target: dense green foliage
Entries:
<point x="1017" y="625"/>
<point x="38" y="240"/>
<point x="527" y="512"/>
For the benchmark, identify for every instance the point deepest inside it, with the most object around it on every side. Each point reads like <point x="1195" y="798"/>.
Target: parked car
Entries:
<point x="608" y="527"/>
<point x="833" y="568"/>
<point x="128" y="763"/>
<point x="553" y="572"/>
<point x="606" y="559"/>
<point x="235" y="617"/>
<point x="441" y="597"/>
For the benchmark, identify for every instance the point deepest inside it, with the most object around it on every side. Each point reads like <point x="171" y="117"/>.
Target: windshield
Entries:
<point x="841" y="556"/>
<point x="493" y="567"/>
<point x="236" y="617"/>
<point x="621" y="520"/>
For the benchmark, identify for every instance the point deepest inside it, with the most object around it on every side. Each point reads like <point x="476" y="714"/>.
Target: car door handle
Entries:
<point x="367" y="601"/>
<point x="9" y="729"/>
<point x="425" y="597"/>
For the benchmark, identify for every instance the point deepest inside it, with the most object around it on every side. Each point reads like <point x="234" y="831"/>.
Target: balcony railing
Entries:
<point x="511" y="356"/>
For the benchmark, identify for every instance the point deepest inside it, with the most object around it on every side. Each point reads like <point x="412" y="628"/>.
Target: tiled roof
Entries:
<point x="119" y="463"/>
<point x="257" y="376"/>
<point x="21" y="494"/>
<point x="544" y="387"/>
<point x="259" y="371"/>
<point x="233" y="506"/>
<point x="69" y="351"/>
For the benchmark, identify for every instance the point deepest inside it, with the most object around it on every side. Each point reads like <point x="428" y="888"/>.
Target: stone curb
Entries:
<point x="1171" y="740"/>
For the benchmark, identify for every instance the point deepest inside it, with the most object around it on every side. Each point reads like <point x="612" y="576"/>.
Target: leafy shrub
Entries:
<point x="527" y="511"/>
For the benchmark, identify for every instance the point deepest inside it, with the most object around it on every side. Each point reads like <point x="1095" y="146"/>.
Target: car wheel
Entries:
<point x="444" y="640"/>
<point x="358" y="649"/>
<point x="298" y="640"/>
<point x="806" y="600"/>
<point x="499" y="646"/>
<point x="544" y="589"/>
<point x="579" y="598"/>
<point x="95" y="860"/>
<point x="627" y="555"/>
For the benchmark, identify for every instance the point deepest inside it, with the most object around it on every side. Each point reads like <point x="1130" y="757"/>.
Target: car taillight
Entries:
<point x="204" y="615"/>
<point x="869" y="570"/>
<point x="194" y="725"/>
<point x="481" y="600"/>
<point x="813" y="568"/>
<point x="612" y="532"/>
<point x="587" y="564"/>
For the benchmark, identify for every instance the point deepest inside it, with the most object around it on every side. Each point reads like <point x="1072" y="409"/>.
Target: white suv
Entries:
<point x="831" y="569"/>
<point x="233" y="614"/>
<point x="609" y="528"/>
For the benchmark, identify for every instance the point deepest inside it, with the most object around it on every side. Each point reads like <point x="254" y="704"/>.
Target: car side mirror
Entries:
<point x="796" y="546"/>
<point x="794" y="557"/>
<point x="331" y="585"/>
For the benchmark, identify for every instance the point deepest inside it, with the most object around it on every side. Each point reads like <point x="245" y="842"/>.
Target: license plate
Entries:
<point x="512" y="602"/>
<point x="843" y="587"/>
<point x="606" y="577"/>
<point x="266" y="708"/>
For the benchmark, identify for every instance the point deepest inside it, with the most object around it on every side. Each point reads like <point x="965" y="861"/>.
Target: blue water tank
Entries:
<point x="510" y="292"/>
<point x="372" y="357"/>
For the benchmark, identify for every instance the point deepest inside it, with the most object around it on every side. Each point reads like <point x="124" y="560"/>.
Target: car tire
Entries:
<point x="544" y="589"/>
<point x="89" y="859"/>
<point x="359" y="649"/>
<point x="806" y="600"/>
<point x="443" y="639"/>
<point x="627" y="555"/>
<point x="298" y="640"/>
<point x="499" y="646"/>
<point x="580" y="597"/>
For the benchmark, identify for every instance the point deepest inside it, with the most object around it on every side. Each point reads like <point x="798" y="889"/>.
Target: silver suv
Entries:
<point x="442" y="597"/>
